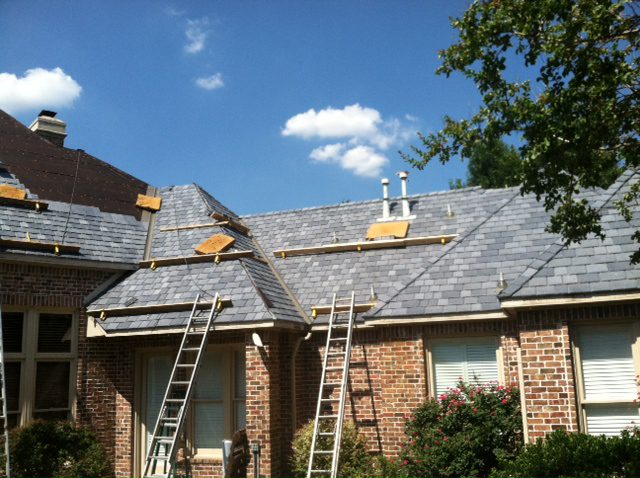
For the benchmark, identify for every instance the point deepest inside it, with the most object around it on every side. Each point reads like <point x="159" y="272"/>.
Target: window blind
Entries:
<point x="472" y="360"/>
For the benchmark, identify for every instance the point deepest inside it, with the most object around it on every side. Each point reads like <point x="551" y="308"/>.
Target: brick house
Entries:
<point x="474" y="288"/>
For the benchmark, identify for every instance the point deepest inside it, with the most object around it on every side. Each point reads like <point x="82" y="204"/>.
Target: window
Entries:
<point x="217" y="408"/>
<point x="606" y="374"/>
<point x="473" y="360"/>
<point x="39" y="364"/>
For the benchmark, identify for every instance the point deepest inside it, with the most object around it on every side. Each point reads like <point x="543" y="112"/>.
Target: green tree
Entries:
<point x="492" y="164"/>
<point x="578" y="117"/>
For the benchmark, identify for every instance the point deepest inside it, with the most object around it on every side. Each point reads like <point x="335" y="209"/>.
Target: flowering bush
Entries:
<point x="466" y="432"/>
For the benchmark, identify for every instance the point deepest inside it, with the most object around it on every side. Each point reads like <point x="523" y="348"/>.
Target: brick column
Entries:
<point x="268" y="400"/>
<point x="549" y="385"/>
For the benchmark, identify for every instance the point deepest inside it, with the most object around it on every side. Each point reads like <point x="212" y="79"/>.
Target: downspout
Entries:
<point x="296" y="346"/>
<point x="523" y="402"/>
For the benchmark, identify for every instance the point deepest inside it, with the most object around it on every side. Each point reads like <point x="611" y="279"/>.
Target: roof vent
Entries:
<point x="50" y="127"/>
<point x="406" y="211"/>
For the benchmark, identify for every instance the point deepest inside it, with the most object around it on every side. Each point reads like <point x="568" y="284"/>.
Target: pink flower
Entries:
<point x="406" y="462"/>
<point x="437" y="442"/>
<point x="446" y="438"/>
<point x="504" y="402"/>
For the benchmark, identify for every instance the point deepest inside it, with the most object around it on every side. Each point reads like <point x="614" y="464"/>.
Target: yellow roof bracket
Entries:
<point x="217" y="260"/>
<point x="153" y="265"/>
<point x="103" y="315"/>
<point x="56" y="249"/>
<point x="314" y="312"/>
<point x="38" y="207"/>
<point x="28" y="237"/>
<point x="283" y="255"/>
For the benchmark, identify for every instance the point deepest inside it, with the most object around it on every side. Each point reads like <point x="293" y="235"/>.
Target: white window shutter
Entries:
<point x="448" y="364"/>
<point x="472" y="360"/>
<point x="607" y="364"/>
<point x="610" y="420"/>
<point x="482" y="366"/>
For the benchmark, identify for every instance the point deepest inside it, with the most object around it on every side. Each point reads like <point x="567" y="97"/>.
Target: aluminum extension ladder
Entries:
<point x="161" y="455"/>
<point x="333" y="390"/>
<point x="3" y="397"/>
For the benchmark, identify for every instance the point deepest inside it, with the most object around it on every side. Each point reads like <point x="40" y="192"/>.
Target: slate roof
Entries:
<point x="499" y="231"/>
<point x="254" y="290"/>
<point x="594" y="266"/>
<point x="102" y="236"/>
<point x="315" y="278"/>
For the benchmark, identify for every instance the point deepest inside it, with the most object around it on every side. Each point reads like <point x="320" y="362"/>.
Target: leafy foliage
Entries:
<point x="578" y="117"/>
<point x="355" y="460"/>
<point x="56" y="449"/>
<point x="492" y="165"/>
<point x="464" y="433"/>
<point x="564" y="454"/>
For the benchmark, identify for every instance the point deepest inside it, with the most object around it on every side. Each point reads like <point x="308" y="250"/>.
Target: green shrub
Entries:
<point x="564" y="454"/>
<point x="56" y="449"/>
<point x="355" y="460"/>
<point x="464" y="433"/>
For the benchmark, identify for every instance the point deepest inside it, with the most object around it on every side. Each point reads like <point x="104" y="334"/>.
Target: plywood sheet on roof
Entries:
<point x="216" y="243"/>
<point x="7" y="191"/>
<point x="149" y="203"/>
<point x="397" y="229"/>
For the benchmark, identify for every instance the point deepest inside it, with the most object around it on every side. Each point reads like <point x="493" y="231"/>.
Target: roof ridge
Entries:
<point x="555" y="247"/>
<point x="370" y="201"/>
<point x="455" y="243"/>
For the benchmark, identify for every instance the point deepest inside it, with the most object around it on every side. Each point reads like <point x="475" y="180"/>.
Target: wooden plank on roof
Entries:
<point x="154" y="309"/>
<point x="232" y="223"/>
<point x="193" y="226"/>
<point x="173" y="261"/>
<point x="40" y="246"/>
<point x="25" y="203"/>
<point x="12" y="192"/>
<point x="326" y="309"/>
<point x="149" y="203"/>
<point x="396" y="229"/>
<point x="215" y="244"/>
<point x="364" y="245"/>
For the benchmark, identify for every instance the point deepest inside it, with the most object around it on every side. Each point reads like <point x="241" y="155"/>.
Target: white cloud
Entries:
<point x="352" y="120"/>
<point x="361" y="160"/>
<point x="327" y="153"/>
<point x="197" y="33"/>
<point x="38" y="88"/>
<point x="174" y="12"/>
<point x="366" y="132"/>
<point x="212" y="82"/>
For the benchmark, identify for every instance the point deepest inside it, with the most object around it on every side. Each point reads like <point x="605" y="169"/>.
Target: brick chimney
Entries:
<point x="50" y="127"/>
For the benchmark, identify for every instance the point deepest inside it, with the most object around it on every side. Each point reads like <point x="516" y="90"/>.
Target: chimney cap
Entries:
<point x="48" y="113"/>
<point x="403" y="174"/>
<point x="384" y="181"/>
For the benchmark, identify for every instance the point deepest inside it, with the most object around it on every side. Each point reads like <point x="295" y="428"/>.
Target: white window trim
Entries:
<point x="431" y="375"/>
<point x="583" y="402"/>
<point x="29" y="357"/>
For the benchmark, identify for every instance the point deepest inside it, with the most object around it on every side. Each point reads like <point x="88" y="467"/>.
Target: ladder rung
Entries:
<point x="330" y="399"/>
<point x="178" y="382"/>
<point x="320" y="471"/>
<point x="166" y="441"/>
<point x="327" y="434"/>
<point x="334" y="368"/>
<point x="160" y="457"/>
<point x="191" y="349"/>
<point x="334" y="354"/>
<point x="338" y="339"/>
<point x="175" y="400"/>
<point x="332" y="384"/>
<point x="186" y="365"/>
<point x="323" y="452"/>
<point x="328" y="416"/>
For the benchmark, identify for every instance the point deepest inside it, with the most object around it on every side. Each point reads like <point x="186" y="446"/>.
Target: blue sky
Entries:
<point x="268" y="105"/>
